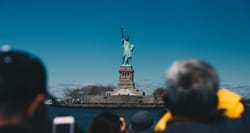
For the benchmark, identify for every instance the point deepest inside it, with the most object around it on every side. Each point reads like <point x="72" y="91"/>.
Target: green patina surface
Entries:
<point x="128" y="49"/>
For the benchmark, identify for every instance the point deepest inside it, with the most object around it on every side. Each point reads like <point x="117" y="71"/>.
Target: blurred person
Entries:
<point x="196" y="104"/>
<point x="22" y="92"/>
<point x="107" y="122"/>
<point x="141" y="122"/>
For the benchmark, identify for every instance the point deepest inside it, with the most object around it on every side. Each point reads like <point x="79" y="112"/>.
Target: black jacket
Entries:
<point x="14" y="129"/>
<point x="221" y="126"/>
<point x="224" y="126"/>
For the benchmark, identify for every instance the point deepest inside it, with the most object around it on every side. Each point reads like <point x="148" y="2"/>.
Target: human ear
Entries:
<point x="35" y="104"/>
<point x="123" y="124"/>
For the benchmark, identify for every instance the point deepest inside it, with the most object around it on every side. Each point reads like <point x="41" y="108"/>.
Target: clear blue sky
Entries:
<point x="80" y="39"/>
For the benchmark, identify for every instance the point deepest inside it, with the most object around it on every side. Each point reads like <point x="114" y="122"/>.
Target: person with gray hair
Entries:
<point x="192" y="86"/>
<point x="197" y="104"/>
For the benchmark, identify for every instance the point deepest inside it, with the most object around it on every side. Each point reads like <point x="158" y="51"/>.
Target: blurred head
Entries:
<point x="105" y="122"/>
<point x="22" y="90"/>
<point x="191" y="89"/>
<point x="141" y="122"/>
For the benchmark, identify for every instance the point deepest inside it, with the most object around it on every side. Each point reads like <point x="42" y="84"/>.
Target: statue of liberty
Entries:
<point x="127" y="49"/>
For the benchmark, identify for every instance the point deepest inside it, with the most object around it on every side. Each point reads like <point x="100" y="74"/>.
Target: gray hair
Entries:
<point x="191" y="89"/>
<point x="192" y="73"/>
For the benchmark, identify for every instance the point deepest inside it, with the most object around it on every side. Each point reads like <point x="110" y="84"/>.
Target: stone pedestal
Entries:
<point x="126" y="84"/>
<point x="126" y="79"/>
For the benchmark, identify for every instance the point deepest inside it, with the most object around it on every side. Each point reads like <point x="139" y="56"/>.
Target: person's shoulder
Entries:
<point x="244" y="121"/>
<point x="192" y="128"/>
<point x="14" y="129"/>
<point x="246" y="112"/>
<point x="225" y="125"/>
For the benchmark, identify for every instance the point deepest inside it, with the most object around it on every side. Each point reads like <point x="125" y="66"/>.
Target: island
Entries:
<point x="125" y="95"/>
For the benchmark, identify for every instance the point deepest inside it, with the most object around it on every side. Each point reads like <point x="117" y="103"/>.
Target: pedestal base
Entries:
<point x="126" y="85"/>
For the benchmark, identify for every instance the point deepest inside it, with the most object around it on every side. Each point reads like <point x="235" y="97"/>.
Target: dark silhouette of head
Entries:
<point x="141" y="122"/>
<point x="191" y="89"/>
<point x="22" y="90"/>
<point x="106" y="122"/>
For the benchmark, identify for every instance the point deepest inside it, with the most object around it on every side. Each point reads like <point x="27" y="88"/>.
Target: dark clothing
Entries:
<point x="226" y="126"/>
<point x="192" y="128"/>
<point x="14" y="129"/>
<point x="222" y="126"/>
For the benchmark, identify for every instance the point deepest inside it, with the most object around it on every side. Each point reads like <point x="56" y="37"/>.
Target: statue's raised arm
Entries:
<point x="122" y="32"/>
<point x="122" y="35"/>
<point x="127" y="49"/>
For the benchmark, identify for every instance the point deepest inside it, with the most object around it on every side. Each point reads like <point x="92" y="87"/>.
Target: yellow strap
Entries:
<point x="162" y="123"/>
<point x="231" y="103"/>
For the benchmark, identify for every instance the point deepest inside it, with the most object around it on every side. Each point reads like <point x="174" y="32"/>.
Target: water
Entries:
<point x="84" y="116"/>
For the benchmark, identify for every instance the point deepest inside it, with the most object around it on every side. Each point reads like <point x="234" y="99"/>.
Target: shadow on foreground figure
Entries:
<point x="196" y="103"/>
<point x="22" y="93"/>
<point x="141" y="122"/>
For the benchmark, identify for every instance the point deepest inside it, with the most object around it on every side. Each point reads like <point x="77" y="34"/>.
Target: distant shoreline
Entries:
<point x="112" y="106"/>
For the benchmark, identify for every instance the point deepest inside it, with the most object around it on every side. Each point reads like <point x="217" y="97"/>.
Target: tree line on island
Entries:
<point x="98" y="90"/>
